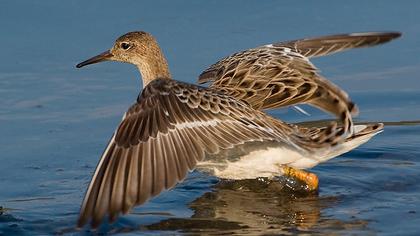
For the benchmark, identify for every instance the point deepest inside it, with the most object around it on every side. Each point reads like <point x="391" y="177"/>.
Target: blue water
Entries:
<point x="55" y="120"/>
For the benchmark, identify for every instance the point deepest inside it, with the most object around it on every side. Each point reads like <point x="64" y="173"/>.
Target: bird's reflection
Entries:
<point x="257" y="206"/>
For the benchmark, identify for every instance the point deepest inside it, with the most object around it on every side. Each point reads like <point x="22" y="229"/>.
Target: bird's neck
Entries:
<point x="154" y="67"/>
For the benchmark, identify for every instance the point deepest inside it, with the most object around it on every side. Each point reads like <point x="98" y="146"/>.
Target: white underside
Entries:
<point x="262" y="163"/>
<point x="268" y="162"/>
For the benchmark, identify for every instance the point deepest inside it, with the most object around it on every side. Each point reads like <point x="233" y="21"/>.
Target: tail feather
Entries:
<point x="362" y="134"/>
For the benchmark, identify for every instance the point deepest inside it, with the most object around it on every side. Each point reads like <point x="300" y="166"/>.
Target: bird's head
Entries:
<point x="138" y="48"/>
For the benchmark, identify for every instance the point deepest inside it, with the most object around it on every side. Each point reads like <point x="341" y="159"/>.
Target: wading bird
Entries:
<point x="176" y="127"/>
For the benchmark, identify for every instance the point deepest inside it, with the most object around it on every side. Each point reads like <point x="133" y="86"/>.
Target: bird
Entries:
<point x="223" y="129"/>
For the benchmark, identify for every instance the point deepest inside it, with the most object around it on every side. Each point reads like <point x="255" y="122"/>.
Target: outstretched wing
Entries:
<point x="322" y="46"/>
<point x="280" y="74"/>
<point x="166" y="133"/>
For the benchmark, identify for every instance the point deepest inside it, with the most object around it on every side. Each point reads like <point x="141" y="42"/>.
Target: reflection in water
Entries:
<point x="7" y="218"/>
<point x="255" y="206"/>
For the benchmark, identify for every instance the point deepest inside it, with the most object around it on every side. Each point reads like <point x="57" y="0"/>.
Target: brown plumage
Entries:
<point x="173" y="126"/>
<point x="280" y="74"/>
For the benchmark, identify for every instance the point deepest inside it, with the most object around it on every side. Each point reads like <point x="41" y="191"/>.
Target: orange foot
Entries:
<point x="310" y="179"/>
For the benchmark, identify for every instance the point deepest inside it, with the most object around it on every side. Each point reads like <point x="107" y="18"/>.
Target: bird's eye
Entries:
<point x="125" y="46"/>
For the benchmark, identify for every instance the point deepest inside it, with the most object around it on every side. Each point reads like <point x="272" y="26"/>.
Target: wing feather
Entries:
<point x="163" y="136"/>
<point x="170" y="165"/>
<point x="103" y="196"/>
<point x="117" y="192"/>
<point x="132" y="179"/>
<point x="280" y="74"/>
<point x="321" y="46"/>
<point x="145" y="188"/>
<point x="158" y="181"/>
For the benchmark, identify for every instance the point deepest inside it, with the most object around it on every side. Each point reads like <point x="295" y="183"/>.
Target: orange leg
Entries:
<point x="310" y="179"/>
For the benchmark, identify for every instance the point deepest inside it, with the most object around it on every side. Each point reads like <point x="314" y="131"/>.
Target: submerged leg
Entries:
<point x="310" y="179"/>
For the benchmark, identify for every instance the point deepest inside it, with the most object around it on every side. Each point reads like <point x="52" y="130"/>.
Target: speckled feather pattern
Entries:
<point x="173" y="126"/>
<point x="280" y="74"/>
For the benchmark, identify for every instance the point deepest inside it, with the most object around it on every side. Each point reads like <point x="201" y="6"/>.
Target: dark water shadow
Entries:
<point x="255" y="207"/>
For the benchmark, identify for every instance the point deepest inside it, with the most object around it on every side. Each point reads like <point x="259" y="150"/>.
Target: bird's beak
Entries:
<point x="105" y="56"/>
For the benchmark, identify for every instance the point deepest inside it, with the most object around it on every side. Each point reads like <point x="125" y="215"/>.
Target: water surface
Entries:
<point x="55" y="120"/>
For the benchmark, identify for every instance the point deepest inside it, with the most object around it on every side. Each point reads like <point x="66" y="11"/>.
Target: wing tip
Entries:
<point x="390" y="34"/>
<point x="80" y="223"/>
<point x="206" y="76"/>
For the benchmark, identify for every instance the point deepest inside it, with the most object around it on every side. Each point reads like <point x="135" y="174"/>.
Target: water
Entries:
<point x="55" y="120"/>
